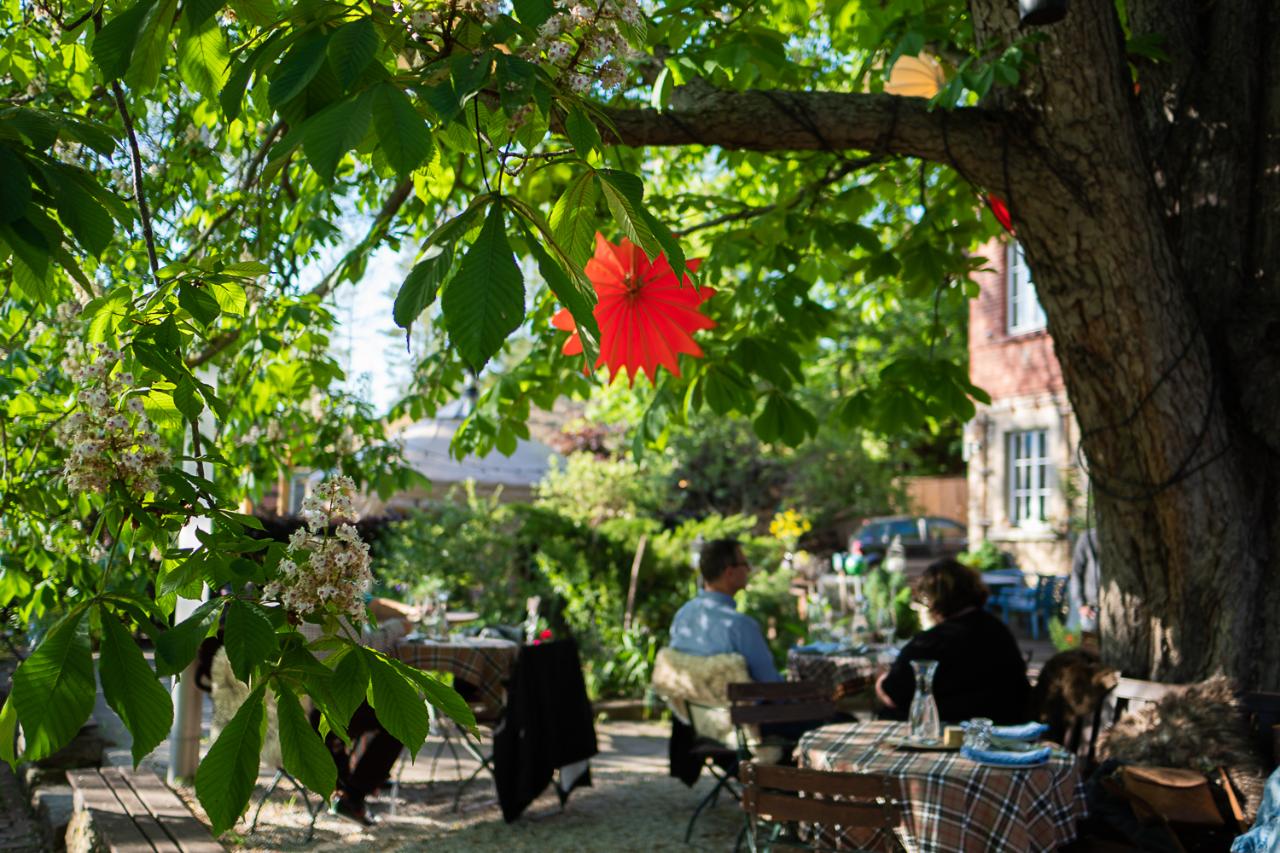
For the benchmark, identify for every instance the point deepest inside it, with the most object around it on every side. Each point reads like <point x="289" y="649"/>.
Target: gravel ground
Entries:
<point x="632" y="806"/>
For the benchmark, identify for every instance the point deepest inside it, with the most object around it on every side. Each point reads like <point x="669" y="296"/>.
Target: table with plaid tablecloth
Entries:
<point x="830" y="670"/>
<point x="484" y="662"/>
<point x="952" y="803"/>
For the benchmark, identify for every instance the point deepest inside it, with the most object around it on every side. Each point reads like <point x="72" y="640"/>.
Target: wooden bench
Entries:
<point x="117" y="809"/>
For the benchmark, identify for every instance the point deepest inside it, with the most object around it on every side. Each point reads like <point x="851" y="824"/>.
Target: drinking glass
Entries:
<point x="442" y="615"/>
<point x="977" y="733"/>
<point x="926" y="725"/>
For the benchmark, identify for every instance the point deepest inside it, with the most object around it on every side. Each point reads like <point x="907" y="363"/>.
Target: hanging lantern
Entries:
<point x="916" y="77"/>
<point x="1000" y="211"/>
<point x="1038" y="13"/>
<point x="646" y="315"/>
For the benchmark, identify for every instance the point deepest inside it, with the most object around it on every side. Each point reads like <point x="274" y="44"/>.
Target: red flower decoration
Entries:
<point x="1000" y="211"/>
<point x="646" y="315"/>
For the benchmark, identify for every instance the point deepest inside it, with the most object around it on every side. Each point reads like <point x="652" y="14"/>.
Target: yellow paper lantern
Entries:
<point x="916" y="77"/>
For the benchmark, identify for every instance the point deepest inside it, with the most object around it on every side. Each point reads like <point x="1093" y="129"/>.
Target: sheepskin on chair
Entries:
<point x="1200" y="728"/>
<point x="228" y="694"/>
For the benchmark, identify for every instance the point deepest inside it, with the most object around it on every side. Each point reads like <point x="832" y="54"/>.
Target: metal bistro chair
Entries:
<point x="798" y="808"/>
<point x="718" y="758"/>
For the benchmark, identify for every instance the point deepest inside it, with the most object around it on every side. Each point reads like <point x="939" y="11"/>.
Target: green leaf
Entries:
<point x="574" y="292"/>
<point x="249" y="639"/>
<point x="29" y="245"/>
<point x="227" y="774"/>
<point x="582" y="132"/>
<point x="573" y="219"/>
<point x="442" y="696"/>
<point x="301" y="748"/>
<point x="8" y="733"/>
<point x="199" y="303"/>
<point x="333" y="132"/>
<point x="533" y="13"/>
<point x="114" y="44"/>
<point x="351" y="47"/>
<point x="88" y="220"/>
<point x="400" y="709"/>
<point x="232" y="95"/>
<point x="624" y="194"/>
<point x="198" y="11"/>
<point x="187" y="399"/>
<point x="177" y="647"/>
<point x="15" y="185"/>
<point x="230" y="297"/>
<point x="296" y="70"/>
<point x="469" y="72"/>
<point x="403" y="136"/>
<point x="348" y="685"/>
<point x="53" y="689"/>
<point x="484" y="303"/>
<point x="421" y="285"/>
<point x="203" y="59"/>
<point x="153" y="47"/>
<point x="132" y="690"/>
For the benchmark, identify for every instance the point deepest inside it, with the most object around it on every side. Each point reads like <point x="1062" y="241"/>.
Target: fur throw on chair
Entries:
<point x="1199" y="728"/>
<point x="681" y="678"/>
<point x="228" y="694"/>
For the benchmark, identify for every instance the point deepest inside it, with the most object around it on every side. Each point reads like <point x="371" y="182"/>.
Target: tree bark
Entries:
<point x="1149" y="217"/>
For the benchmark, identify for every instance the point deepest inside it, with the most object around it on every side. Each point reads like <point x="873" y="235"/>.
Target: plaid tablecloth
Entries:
<point x="830" y="670"/>
<point x="485" y="663"/>
<point x="951" y="803"/>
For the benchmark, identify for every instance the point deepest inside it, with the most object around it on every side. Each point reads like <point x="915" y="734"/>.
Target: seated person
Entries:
<point x="710" y="624"/>
<point x="981" y="672"/>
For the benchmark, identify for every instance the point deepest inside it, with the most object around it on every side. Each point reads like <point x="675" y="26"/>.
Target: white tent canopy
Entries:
<point x="426" y="450"/>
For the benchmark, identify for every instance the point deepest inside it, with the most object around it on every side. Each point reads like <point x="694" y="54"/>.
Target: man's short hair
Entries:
<point x="717" y="556"/>
<point x="948" y="587"/>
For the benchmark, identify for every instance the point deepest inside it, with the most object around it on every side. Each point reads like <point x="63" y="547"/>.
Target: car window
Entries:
<point x="946" y="531"/>
<point x="907" y="529"/>
<point x="871" y="532"/>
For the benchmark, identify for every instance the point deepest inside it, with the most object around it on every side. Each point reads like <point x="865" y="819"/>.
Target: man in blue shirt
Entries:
<point x="711" y="624"/>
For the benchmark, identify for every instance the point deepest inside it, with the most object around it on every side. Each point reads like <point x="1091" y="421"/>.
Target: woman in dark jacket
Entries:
<point x="981" y="672"/>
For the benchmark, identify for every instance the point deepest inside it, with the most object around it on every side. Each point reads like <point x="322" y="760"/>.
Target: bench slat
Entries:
<point x="133" y="805"/>
<point x="190" y="834"/>
<point x="92" y="793"/>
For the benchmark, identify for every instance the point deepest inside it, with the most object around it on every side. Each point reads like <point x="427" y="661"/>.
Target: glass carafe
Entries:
<point x="925" y="723"/>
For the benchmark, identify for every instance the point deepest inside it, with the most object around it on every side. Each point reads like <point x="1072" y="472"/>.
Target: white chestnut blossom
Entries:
<point x="110" y="436"/>
<point x="325" y="573"/>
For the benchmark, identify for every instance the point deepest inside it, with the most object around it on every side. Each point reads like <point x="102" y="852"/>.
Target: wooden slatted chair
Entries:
<point x="812" y="809"/>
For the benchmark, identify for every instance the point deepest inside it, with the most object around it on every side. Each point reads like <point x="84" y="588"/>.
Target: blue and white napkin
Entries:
<point x="1007" y="759"/>
<point x="1025" y="731"/>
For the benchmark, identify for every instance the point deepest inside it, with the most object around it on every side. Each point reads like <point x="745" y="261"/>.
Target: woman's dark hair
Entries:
<point x="716" y="556"/>
<point x="948" y="587"/>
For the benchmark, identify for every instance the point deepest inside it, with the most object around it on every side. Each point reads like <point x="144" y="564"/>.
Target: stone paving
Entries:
<point x="19" y="833"/>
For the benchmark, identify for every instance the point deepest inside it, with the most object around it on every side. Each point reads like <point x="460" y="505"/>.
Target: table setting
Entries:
<point x="972" y="786"/>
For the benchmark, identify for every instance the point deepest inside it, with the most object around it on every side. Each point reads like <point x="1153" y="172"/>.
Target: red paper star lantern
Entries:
<point x="1000" y="211"/>
<point x="646" y="315"/>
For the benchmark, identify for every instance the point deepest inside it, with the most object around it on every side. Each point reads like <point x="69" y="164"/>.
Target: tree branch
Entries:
<point x="764" y="120"/>
<point x="144" y="212"/>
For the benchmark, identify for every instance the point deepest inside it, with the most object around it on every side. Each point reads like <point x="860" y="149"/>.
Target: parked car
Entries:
<point x="924" y="539"/>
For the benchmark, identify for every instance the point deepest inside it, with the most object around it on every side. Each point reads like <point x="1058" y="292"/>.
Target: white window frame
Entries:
<point x="1029" y="485"/>
<point x="1023" y="313"/>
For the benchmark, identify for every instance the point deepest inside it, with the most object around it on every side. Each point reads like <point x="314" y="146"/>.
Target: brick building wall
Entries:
<point x="1020" y="448"/>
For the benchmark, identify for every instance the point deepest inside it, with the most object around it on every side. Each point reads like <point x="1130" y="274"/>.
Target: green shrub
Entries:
<point x="986" y="557"/>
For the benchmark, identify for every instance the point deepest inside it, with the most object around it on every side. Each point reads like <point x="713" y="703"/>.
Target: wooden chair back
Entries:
<point x="756" y="702"/>
<point x="1262" y="711"/>
<point x="792" y="794"/>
